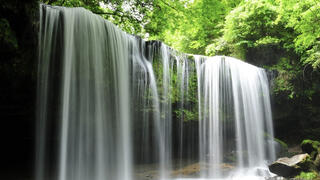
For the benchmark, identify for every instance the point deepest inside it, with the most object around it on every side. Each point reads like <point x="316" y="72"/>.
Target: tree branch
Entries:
<point x="113" y="14"/>
<point x="117" y="14"/>
<point x="169" y="5"/>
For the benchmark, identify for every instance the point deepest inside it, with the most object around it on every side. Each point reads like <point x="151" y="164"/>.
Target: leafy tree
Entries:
<point x="129" y="15"/>
<point x="250" y="25"/>
<point x="188" y="26"/>
<point x="304" y="18"/>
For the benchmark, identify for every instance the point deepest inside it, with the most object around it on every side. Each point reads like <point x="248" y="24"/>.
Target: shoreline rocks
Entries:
<point x="301" y="165"/>
<point x="290" y="167"/>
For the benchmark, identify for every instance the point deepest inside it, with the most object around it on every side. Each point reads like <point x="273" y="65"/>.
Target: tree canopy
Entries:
<point x="211" y="26"/>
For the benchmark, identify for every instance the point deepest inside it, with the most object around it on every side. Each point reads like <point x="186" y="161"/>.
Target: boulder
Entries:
<point x="290" y="167"/>
<point x="311" y="147"/>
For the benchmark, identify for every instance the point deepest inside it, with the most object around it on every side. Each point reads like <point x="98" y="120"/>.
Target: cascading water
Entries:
<point x="114" y="107"/>
<point x="235" y="116"/>
<point x="94" y="112"/>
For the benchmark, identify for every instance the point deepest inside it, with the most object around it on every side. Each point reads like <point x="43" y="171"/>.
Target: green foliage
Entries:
<point x="6" y="34"/>
<point x="287" y="25"/>
<point x="310" y="146"/>
<point x="189" y="112"/>
<point x="130" y="15"/>
<point x="307" y="164"/>
<point x="214" y="27"/>
<point x="219" y="47"/>
<point x="252" y="24"/>
<point x="307" y="175"/>
<point x="186" y="115"/>
<point x="284" y="82"/>
<point x="188" y="26"/>
<point x="303" y="17"/>
<point x="266" y="41"/>
<point x="314" y="144"/>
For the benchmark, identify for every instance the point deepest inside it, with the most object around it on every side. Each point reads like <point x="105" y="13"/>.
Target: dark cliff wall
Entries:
<point x="18" y="56"/>
<point x="295" y="93"/>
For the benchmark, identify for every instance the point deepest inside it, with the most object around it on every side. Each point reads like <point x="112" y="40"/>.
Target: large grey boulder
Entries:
<point x="290" y="167"/>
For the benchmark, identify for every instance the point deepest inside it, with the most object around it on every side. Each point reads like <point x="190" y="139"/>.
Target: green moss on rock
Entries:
<point x="311" y="147"/>
<point x="307" y="175"/>
<point x="291" y="167"/>
<point x="306" y="164"/>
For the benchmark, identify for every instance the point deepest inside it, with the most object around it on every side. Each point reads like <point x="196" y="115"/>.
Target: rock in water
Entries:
<point x="290" y="167"/>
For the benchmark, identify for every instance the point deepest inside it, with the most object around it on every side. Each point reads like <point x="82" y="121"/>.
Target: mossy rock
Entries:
<point x="307" y="164"/>
<point x="291" y="167"/>
<point x="307" y="176"/>
<point x="311" y="147"/>
<point x="280" y="146"/>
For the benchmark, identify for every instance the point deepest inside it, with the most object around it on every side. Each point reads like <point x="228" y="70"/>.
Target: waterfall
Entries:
<point x="111" y="106"/>
<point x="235" y="115"/>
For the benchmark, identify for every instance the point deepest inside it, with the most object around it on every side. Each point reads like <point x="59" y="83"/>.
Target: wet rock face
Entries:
<point x="18" y="54"/>
<point x="290" y="167"/>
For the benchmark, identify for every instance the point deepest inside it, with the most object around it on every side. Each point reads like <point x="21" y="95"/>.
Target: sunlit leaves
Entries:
<point x="188" y="26"/>
<point x="129" y="15"/>
<point x="250" y="23"/>
<point x="217" y="26"/>
<point x="304" y="18"/>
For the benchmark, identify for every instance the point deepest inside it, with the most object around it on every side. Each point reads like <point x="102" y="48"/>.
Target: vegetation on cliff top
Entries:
<point x="281" y="35"/>
<point x="287" y="28"/>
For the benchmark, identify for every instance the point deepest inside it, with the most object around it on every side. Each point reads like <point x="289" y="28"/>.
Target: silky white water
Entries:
<point x="235" y="116"/>
<point x="112" y="106"/>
